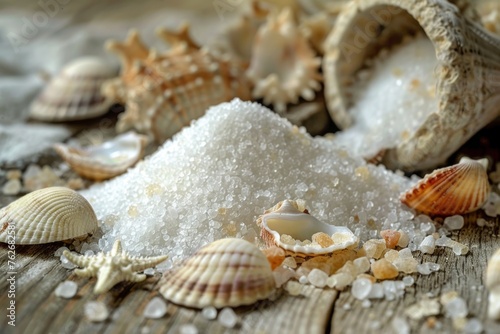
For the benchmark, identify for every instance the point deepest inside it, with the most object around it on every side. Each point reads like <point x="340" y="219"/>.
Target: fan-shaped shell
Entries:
<point x="165" y="92"/>
<point x="75" y="93"/>
<point x="107" y="160"/>
<point x="291" y="218"/>
<point x="283" y="66"/>
<point x="47" y="215"/>
<point x="453" y="190"/>
<point x="493" y="284"/>
<point x="228" y="272"/>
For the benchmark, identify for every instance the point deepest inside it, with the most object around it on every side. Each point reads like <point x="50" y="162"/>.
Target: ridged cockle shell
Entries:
<point x="453" y="190"/>
<point x="75" y="93"/>
<point x="47" y="215"/>
<point x="227" y="272"/>
<point x="107" y="160"/>
<point x="292" y="219"/>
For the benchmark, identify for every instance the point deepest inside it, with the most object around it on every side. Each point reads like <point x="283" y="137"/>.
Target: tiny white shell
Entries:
<point x="47" y="215"/>
<point x="107" y="160"/>
<point x="225" y="273"/>
<point x="75" y="93"/>
<point x="291" y="218"/>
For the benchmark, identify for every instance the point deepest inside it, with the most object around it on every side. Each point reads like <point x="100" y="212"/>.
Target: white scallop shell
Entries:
<point x="106" y="160"/>
<point x="291" y="218"/>
<point x="225" y="273"/>
<point x="493" y="285"/>
<point x="47" y="215"/>
<point x="75" y="93"/>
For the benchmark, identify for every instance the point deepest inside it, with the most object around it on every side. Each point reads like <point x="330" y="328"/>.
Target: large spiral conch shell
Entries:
<point x="228" y="272"/>
<point x="283" y="66"/>
<point x="291" y="218"/>
<point x="467" y="87"/>
<point x="47" y="215"/>
<point x="107" y="160"/>
<point x="165" y="92"/>
<point x="453" y="190"/>
<point x="75" y="93"/>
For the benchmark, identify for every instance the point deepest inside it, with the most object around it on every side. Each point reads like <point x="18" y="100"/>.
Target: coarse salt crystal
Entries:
<point x="227" y="317"/>
<point x="66" y="289"/>
<point x="317" y="278"/>
<point x="155" y="309"/>
<point x="95" y="311"/>
<point x="454" y="222"/>
<point x="361" y="288"/>
<point x="209" y="312"/>
<point x="188" y="329"/>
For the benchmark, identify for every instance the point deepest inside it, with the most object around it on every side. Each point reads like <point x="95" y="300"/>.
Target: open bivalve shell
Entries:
<point x="288" y="225"/>
<point x="453" y="190"/>
<point x="75" y="93"/>
<point x="225" y="273"/>
<point x="47" y="215"/>
<point x="107" y="160"/>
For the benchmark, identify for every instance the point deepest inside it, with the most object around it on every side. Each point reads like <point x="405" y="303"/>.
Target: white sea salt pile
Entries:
<point x="155" y="309"/>
<point x="392" y="98"/>
<point x="95" y="311"/>
<point x="66" y="289"/>
<point x="225" y="170"/>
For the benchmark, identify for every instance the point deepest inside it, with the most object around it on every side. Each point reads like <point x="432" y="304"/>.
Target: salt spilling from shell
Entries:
<point x="394" y="101"/>
<point x="155" y="309"/>
<point x="66" y="289"/>
<point x="213" y="173"/>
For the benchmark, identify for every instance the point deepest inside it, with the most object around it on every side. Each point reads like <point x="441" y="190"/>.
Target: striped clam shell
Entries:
<point x="46" y="215"/>
<point x="291" y="218"/>
<point x="165" y="92"/>
<point x="492" y="283"/>
<point x="106" y="160"/>
<point x="453" y="190"/>
<point x="75" y="93"/>
<point x="225" y="273"/>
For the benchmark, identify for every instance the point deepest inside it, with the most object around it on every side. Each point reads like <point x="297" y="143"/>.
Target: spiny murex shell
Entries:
<point x="467" y="87"/>
<point x="227" y="272"/>
<point x="292" y="218"/>
<point x="47" y="215"/>
<point x="457" y="189"/>
<point x="283" y="66"/>
<point x="106" y="160"/>
<point x="493" y="285"/>
<point x="75" y="93"/>
<point x="165" y="92"/>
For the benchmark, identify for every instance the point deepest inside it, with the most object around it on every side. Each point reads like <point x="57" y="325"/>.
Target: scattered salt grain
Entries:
<point x="59" y="252"/>
<point x="66" y="289"/>
<point x="423" y="308"/>
<point x="303" y="280"/>
<point x="346" y="306"/>
<point x="362" y="264"/>
<point x="149" y="271"/>
<point x="473" y="326"/>
<point x="427" y="245"/>
<point x="456" y="308"/>
<point x="376" y="291"/>
<point x="408" y="280"/>
<point x="317" y="278"/>
<point x="227" y="317"/>
<point x="95" y="311"/>
<point x="361" y="288"/>
<point x="454" y="222"/>
<point x="12" y="187"/>
<point x="293" y="288"/>
<point x="89" y="252"/>
<point x="188" y="329"/>
<point x="290" y="262"/>
<point x="427" y="268"/>
<point x="209" y="312"/>
<point x="155" y="309"/>
<point x="400" y="325"/>
<point x="65" y="263"/>
<point x="366" y="303"/>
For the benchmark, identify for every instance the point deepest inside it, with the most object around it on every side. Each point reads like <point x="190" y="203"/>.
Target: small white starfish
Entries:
<point x="112" y="267"/>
